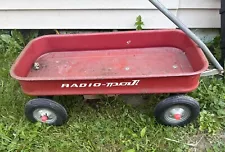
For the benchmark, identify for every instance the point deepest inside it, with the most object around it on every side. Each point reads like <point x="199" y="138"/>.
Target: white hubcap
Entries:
<point x="177" y="114"/>
<point x="44" y="115"/>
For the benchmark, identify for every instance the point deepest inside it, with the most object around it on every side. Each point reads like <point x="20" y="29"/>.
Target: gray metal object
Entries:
<point x="38" y="113"/>
<point x="210" y="72"/>
<point x="183" y="111"/>
<point x="186" y="30"/>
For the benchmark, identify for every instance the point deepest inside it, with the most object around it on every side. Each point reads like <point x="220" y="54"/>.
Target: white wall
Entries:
<point x="104" y="14"/>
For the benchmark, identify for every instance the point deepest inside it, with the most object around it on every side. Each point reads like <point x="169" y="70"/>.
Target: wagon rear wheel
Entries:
<point x="45" y="111"/>
<point x="177" y="110"/>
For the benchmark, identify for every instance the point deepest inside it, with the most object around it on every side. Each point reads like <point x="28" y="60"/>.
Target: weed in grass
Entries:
<point x="211" y="96"/>
<point x="208" y="122"/>
<point x="215" y="47"/>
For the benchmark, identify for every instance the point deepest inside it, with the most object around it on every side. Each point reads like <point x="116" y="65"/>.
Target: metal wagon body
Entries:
<point x="164" y="61"/>
<point x="131" y="62"/>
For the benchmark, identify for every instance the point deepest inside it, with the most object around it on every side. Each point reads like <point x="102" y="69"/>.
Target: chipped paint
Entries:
<point x="129" y="42"/>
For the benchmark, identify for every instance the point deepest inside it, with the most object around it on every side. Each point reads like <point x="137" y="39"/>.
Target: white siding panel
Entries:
<point x="104" y="4"/>
<point x="82" y="19"/>
<point x="104" y="14"/>
<point x="83" y="4"/>
<point x="199" y="4"/>
<point x="200" y="19"/>
<point x="104" y="19"/>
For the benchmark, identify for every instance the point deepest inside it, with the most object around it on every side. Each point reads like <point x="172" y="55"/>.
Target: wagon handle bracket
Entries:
<point x="219" y="69"/>
<point x="211" y="72"/>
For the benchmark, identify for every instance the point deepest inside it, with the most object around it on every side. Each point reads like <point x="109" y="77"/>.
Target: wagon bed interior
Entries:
<point x="121" y="62"/>
<point x="132" y="54"/>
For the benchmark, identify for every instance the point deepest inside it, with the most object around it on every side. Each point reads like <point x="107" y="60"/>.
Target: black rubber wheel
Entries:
<point x="177" y="110"/>
<point x="45" y="111"/>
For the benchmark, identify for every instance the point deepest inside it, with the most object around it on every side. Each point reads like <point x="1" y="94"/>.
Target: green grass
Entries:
<point x="113" y="127"/>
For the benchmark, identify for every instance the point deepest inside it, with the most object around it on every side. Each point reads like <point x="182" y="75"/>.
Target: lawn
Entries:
<point x="113" y="126"/>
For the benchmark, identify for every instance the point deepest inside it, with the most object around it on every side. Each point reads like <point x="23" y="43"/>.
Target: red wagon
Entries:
<point x="132" y="62"/>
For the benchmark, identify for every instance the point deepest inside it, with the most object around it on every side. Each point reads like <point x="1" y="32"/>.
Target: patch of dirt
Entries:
<point x="134" y="100"/>
<point x="202" y="143"/>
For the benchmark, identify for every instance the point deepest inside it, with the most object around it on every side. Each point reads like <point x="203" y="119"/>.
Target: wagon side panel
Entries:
<point x="116" y="86"/>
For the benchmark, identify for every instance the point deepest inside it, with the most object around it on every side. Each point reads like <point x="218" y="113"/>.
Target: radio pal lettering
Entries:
<point x="95" y="85"/>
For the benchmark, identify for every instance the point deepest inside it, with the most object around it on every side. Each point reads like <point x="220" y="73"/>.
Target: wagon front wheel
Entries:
<point x="177" y="110"/>
<point x="45" y="111"/>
